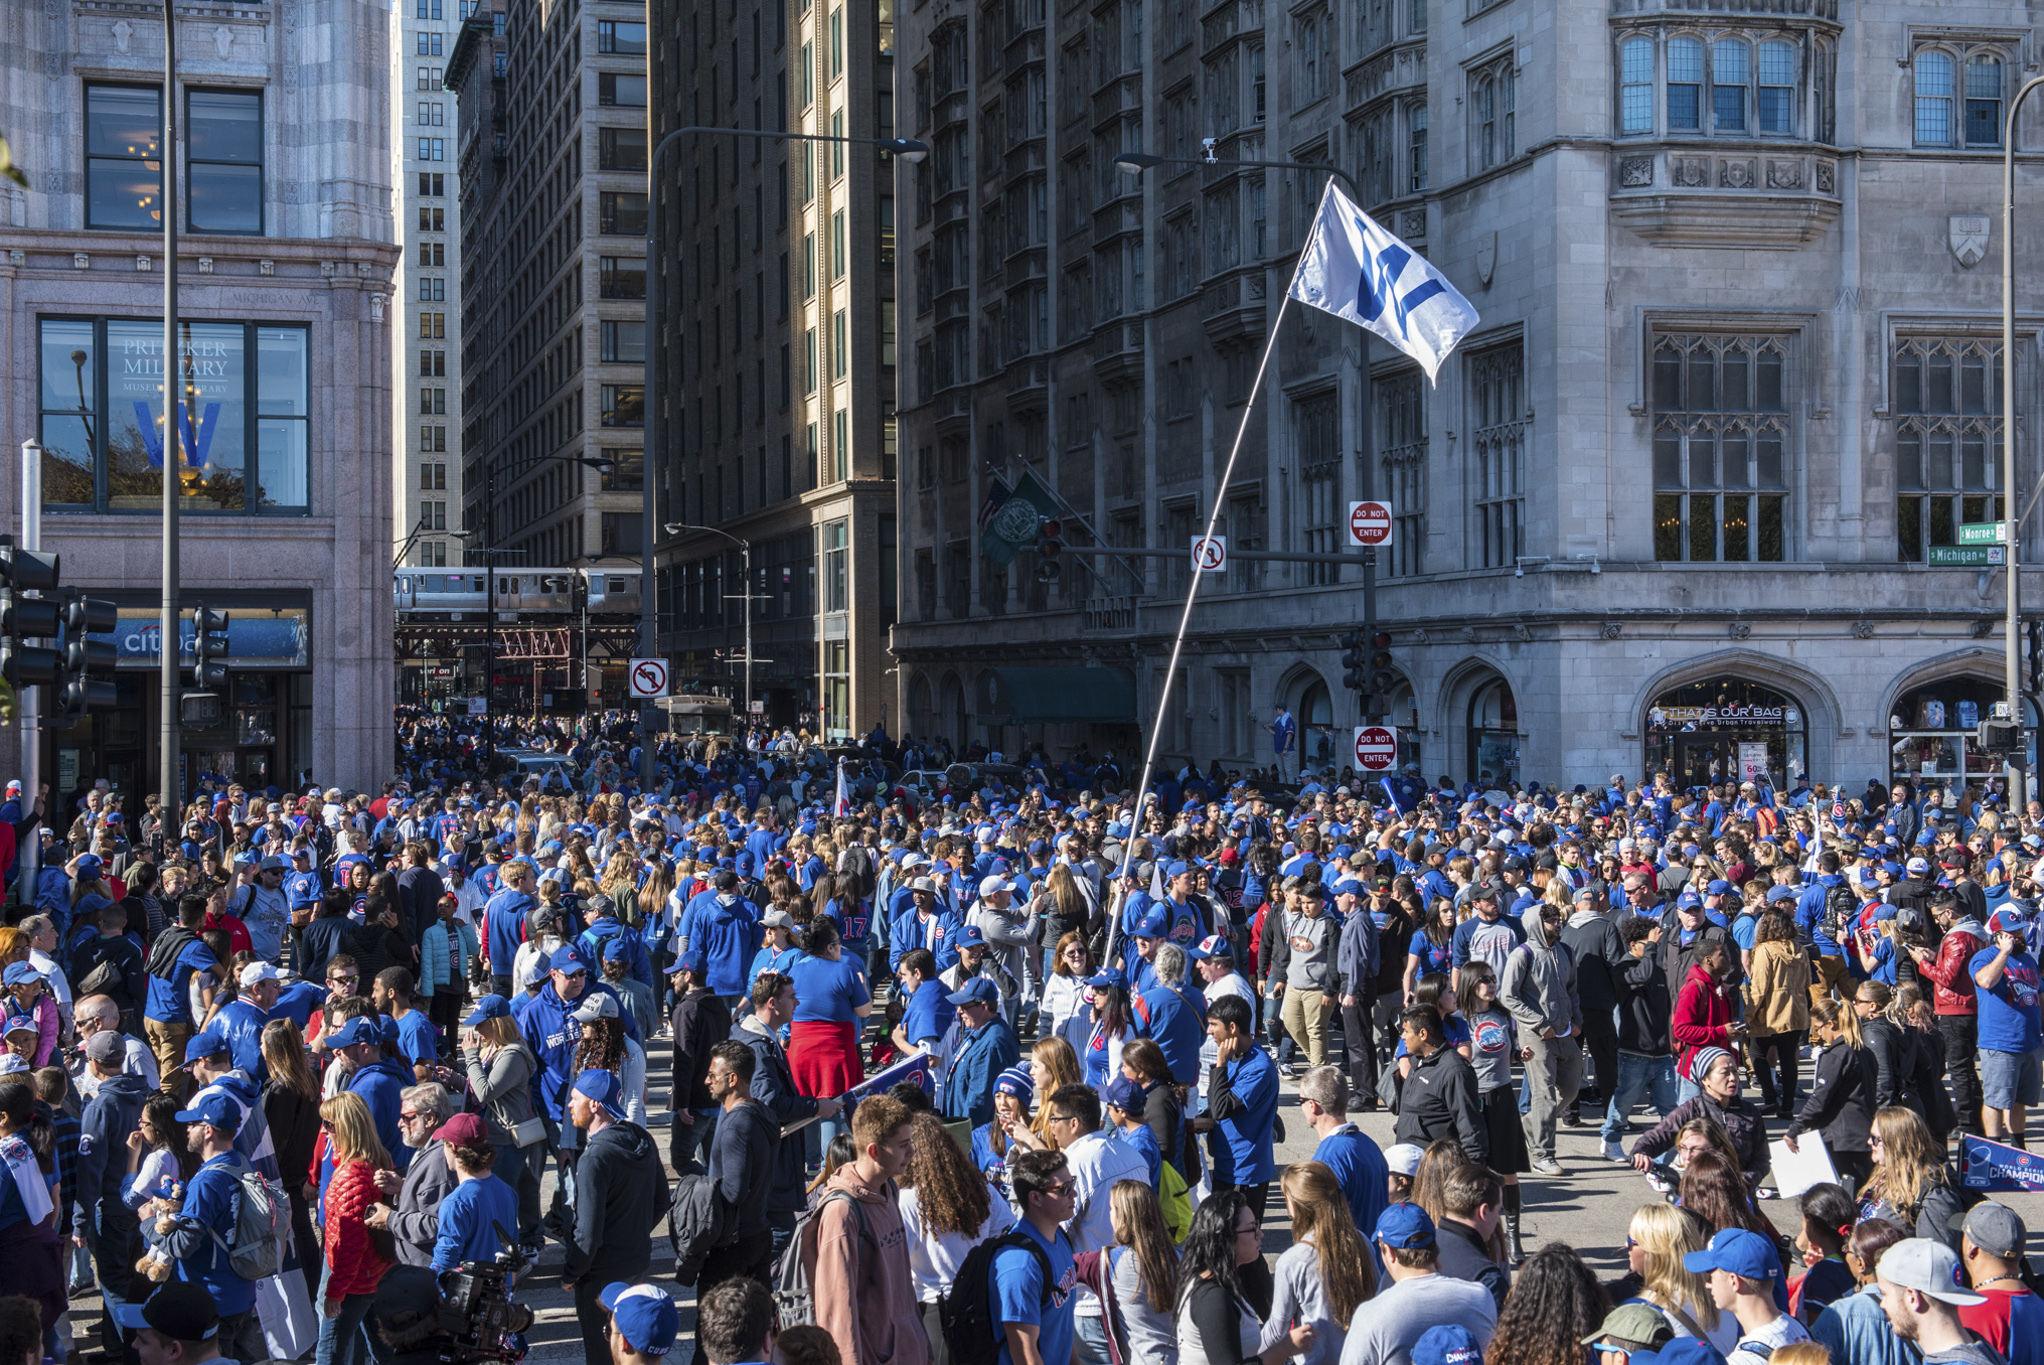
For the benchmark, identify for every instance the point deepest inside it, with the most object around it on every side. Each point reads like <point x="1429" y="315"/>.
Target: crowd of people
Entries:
<point x="380" y="1021"/>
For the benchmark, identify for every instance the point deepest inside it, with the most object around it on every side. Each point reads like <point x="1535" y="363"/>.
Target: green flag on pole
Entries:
<point x="1012" y="527"/>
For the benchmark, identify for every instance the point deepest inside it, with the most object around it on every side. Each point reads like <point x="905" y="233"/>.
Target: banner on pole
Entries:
<point x="1011" y="528"/>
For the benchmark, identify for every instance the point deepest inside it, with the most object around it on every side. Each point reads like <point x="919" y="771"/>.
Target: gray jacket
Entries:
<point x="1315" y="947"/>
<point x="1539" y="984"/>
<point x="415" y="1222"/>
<point x="504" y="1089"/>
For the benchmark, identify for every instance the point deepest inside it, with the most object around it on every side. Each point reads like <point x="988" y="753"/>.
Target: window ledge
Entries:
<point x="1692" y="196"/>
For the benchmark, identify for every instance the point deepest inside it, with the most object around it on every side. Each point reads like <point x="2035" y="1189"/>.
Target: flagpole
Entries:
<point x="1185" y="614"/>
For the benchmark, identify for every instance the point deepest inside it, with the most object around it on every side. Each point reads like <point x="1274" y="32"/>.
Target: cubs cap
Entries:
<point x="644" y="1316"/>
<point x="1213" y="945"/>
<point x="1737" y="1252"/>
<point x="1405" y="1225"/>
<point x="203" y="1044"/>
<point x="179" y="1309"/>
<point x="978" y="990"/>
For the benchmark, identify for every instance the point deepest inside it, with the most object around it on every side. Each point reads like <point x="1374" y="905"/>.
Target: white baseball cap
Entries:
<point x="259" y="971"/>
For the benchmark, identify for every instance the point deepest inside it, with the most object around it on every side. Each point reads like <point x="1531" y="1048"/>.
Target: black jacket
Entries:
<point x="294" y="1132"/>
<point x="1841" y="1102"/>
<point x="701" y="1021"/>
<point x="121" y="952"/>
<point x="1439" y="1100"/>
<point x="1643" y="1006"/>
<point x="1743" y="1123"/>
<point x="1465" y="1257"/>
<point x="742" y="1167"/>
<point x="321" y="940"/>
<point x="1928" y="1080"/>
<point x="112" y="1114"/>
<point x="1599" y="950"/>
<point x="773" y="1085"/>
<point x="1677" y="958"/>
<point x="620" y="1195"/>
<point x="1894" y="1052"/>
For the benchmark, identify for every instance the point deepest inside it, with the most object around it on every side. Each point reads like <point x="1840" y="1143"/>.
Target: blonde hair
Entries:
<point x="1055" y="1055"/>
<point x="1666" y="1233"/>
<point x="1912" y="1161"/>
<point x="1320" y="1213"/>
<point x="1831" y="1014"/>
<point x="354" y="1138"/>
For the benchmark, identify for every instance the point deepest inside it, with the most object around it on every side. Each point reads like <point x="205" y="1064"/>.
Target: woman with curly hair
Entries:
<point x="1911" y="1186"/>
<point x="1554" y="1304"/>
<point x="605" y="1046"/>
<point x="947" y="1209"/>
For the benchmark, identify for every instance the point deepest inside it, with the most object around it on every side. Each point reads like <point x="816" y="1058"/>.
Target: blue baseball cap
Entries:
<point x="89" y="865"/>
<point x="20" y="974"/>
<point x="1109" y="976"/>
<point x="567" y="962"/>
<point x="1125" y="1095"/>
<point x="1213" y="945"/>
<point x="1405" y="1225"/>
<point x="694" y="960"/>
<point x="489" y="1007"/>
<point x="206" y="1044"/>
<point x="1154" y="924"/>
<point x="977" y="990"/>
<point x="216" y="1109"/>
<point x="1736" y="1252"/>
<point x="363" y="1028"/>
<point x="604" y="1088"/>
<point x="1680" y="1351"/>
<point x="971" y="937"/>
<point x="1448" y="1344"/>
<point x="644" y="1316"/>
<point x="1689" y="900"/>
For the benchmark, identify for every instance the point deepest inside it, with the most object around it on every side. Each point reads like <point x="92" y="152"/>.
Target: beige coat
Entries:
<point x="1778" y="989"/>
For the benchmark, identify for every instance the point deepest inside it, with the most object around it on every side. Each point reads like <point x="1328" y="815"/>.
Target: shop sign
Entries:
<point x="1721" y="717"/>
<point x="265" y="641"/>
<point x="1753" y="761"/>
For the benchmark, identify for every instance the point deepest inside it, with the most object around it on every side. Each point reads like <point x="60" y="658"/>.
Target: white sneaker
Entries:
<point x="1615" y="1151"/>
<point x="1546" y="1165"/>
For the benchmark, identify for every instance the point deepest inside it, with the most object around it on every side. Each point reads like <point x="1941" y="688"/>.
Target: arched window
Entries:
<point x="1934" y="98"/>
<point x="1636" y="86"/>
<point x="1685" y="83"/>
<point x="1731" y="70"/>
<point x="1983" y="101"/>
<point x="1777" y="87"/>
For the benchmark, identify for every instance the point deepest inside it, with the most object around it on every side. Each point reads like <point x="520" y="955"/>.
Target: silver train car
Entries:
<point x="459" y="593"/>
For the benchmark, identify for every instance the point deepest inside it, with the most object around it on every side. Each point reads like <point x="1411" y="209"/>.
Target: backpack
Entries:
<point x="971" y="1323"/>
<point x="254" y="1248"/>
<point x="1176" y="1200"/>
<point x="795" y="1276"/>
<point x="1841" y="907"/>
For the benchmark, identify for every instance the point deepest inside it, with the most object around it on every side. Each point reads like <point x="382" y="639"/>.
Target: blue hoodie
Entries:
<point x="241" y="1023"/>
<point x="1810" y="912"/>
<point x="552" y="1032"/>
<point x="638" y="962"/>
<point x="504" y="926"/>
<point x="382" y="1084"/>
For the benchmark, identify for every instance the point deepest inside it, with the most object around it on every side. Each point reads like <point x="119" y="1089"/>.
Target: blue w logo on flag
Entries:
<point x="1351" y="267"/>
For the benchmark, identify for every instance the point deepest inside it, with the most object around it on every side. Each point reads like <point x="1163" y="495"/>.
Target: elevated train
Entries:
<point x="462" y="593"/>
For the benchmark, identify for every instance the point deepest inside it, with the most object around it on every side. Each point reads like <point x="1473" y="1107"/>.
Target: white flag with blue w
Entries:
<point x="1351" y="267"/>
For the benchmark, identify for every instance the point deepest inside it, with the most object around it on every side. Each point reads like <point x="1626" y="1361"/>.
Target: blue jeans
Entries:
<point x="1089" y="1340"/>
<point x="1639" y="1076"/>
<point x="344" y="1340"/>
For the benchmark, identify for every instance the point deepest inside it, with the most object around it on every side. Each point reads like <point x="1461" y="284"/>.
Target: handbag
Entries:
<point x="528" y="1132"/>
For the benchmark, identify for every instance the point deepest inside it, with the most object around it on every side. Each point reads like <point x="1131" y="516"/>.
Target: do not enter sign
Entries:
<point x="1369" y="523"/>
<point x="1376" y="749"/>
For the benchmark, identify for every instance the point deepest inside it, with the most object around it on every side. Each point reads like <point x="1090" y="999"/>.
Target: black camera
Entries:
<point x="477" y="1311"/>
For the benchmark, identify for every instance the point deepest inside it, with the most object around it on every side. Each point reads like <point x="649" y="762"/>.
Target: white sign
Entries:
<point x="1376" y="749"/>
<point x="478" y="706"/>
<point x="1209" y="554"/>
<point x="649" y="678"/>
<point x="757" y="706"/>
<point x="1369" y="523"/>
<point x="1753" y="761"/>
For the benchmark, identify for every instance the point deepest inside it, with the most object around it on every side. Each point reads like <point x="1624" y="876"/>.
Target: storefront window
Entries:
<point x="1316" y="727"/>
<point x="242" y="415"/>
<point x="1494" y="736"/>
<point x="1727" y="730"/>
<point x="1931" y="731"/>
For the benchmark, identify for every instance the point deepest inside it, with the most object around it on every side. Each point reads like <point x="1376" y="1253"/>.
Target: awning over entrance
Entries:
<point x="1028" y="696"/>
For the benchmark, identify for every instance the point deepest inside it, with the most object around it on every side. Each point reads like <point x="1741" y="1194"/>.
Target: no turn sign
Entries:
<point x="1369" y="523"/>
<point x="649" y="678"/>
<point x="1376" y="749"/>
<point x="1209" y="553"/>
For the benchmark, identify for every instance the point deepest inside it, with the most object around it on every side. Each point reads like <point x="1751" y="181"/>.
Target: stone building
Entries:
<point x="777" y="357"/>
<point x="1672" y="503"/>
<point x="285" y="269"/>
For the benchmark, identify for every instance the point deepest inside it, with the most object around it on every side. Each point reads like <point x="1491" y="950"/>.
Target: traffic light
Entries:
<point x="209" y="647"/>
<point x="26" y="618"/>
<point x="1352" y="661"/>
<point x="1381" y="678"/>
<point x="85" y="666"/>
<point x="1050" y="545"/>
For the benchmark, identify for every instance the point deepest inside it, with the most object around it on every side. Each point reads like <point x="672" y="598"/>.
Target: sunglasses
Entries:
<point x="343" y="980"/>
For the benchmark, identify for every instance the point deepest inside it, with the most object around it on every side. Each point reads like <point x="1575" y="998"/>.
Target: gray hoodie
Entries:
<point x="1539" y="983"/>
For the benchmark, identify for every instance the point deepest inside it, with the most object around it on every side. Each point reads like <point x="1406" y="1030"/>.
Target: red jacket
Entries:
<point x="237" y="932"/>
<point x="1703" y="1014"/>
<point x="355" y="1266"/>
<point x="1949" y="973"/>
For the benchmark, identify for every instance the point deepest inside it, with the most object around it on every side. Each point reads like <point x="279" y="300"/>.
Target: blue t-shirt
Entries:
<point x="1241" y="1144"/>
<point x="991" y="1164"/>
<point x="1361" y="1171"/>
<point x="1143" y="1140"/>
<point x="170" y="1001"/>
<point x="1164" y="1015"/>
<point x="1016" y="1291"/>
<point x="928" y="1015"/>
<point x="772" y="960"/>
<point x="2009" y="1012"/>
<point x="827" y="991"/>
<point x="417" y="1039"/>
<point x="469" y="1216"/>
<point x="1434" y="958"/>
<point x="297" y="1001"/>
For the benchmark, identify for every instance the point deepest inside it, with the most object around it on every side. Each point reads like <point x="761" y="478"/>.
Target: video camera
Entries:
<point x="463" y="1316"/>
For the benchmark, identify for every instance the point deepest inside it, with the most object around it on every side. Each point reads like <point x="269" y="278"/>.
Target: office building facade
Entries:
<point x="1678" y="500"/>
<point x="286" y="261"/>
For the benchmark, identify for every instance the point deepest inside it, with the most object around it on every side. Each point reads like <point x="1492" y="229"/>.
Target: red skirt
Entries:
<point x="824" y="1057"/>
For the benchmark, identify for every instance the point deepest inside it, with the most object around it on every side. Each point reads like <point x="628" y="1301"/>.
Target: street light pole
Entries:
<point x="2011" y="572"/>
<point x="908" y="149"/>
<point x="745" y="559"/>
<point x="169" y="786"/>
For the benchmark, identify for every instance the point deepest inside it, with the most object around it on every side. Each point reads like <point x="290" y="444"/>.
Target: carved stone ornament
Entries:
<point x="1827" y="177"/>
<point x="1692" y="172"/>
<point x="1611" y="630"/>
<point x="1784" y="175"/>
<point x="327" y="269"/>
<point x="1735" y="174"/>
<point x="124" y="32"/>
<point x="205" y="265"/>
<point x="81" y="261"/>
<point x="1469" y="635"/>
<point x="1487" y="259"/>
<point x="1635" y="172"/>
<point x="1414" y="223"/>
<point x="1968" y="237"/>
<point x="1862" y="630"/>
<point x="142" y="263"/>
<point x="1740" y="630"/>
<point x="376" y="307"/>
<point x="223" y="42"/>
<point x="266" y="267"/>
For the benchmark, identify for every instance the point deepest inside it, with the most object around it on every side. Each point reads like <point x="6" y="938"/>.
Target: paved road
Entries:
<point x="1588" y="1207"/>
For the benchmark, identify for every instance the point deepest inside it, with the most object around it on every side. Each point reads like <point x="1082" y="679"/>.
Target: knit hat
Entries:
<point x="1016" y="1081"/>
<point x="1703" y="1061"/>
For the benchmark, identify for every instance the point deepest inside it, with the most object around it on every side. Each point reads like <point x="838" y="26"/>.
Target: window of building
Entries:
<point x="123" y="169"/>
<point x="1416" y="145"/>
<point x="432" y="364"/>
<point x="1958" y="96"/>
<point x="432" y="554"/>
<point x="810" y="374"/>
<point x="1316" y="431"/>
<point x="1400" y="400"/>
<point x="1495" y="97"/>
<point x="242" y="415"/>
<point x="433" y="402"/>
<point x="432" y="326"/>
<point x="1947" y="404"/>
<point x="433" y="475"/>
<point x="837" y="566"/>
<point x="1720" y="415"/>
<point x="1744" y="83"/>
<point x="621" y="149"/>
<point x="840" y="345"/>
<point x="432" y="149"/>
<point x="622" y="342"/>
<point x="837" y="149"/>
<point x="428" y="44"/>
<point x="432" y="219"/>
<point x="623" y="533"/>
<point x="433" y="185"/>
<point x="838" y="255"/>
<point x="1310" y="59"/>
<point x="224" y="161"/>
<point x="617" y="89"/>
<point x="1636" y="85"/>
<point x="433" y="515"/>
<point x="620" y="37"/>
<point x="627" y="471"/>
<point x="432" y="289"/>
<point x="429" y="9"/>
<point x="1497" y="389"/>
<point x="837" y="43"/>
<point x="624" y="405"/>
<point x="841" y="445"/>
<point x="431" y="114"/>
<point x="622" y="213"/>
<point x="432" y="439"/>
<point x="621" y="277"/>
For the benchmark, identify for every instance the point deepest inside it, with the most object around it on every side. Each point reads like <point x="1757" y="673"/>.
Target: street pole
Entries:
<point x="173" y="460"/>
<point x="489" y="622"/>
<point x="2011" y="521"/>
<point x="1366" y="484"/>
<point x="745" y="556"/>
<point x="28" y="700"/>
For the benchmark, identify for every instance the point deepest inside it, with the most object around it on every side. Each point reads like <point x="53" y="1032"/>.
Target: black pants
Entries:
<point x="1962" y="1048"/>
<point x="307" y="1246"/>
<point x="115" y="1250"/>
<point x="500" y="984"/>
<point x="751" y="1255"/>
<point x="1786" y="1060"/>
<point x="593" y="1317"/>
<point x="1600" y="1039"/>
<point x="444" y="1009"/>
<point x="1359" y="1038"/>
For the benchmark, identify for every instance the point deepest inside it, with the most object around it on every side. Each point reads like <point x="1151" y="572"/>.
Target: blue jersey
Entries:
<point x="170" y="1001"/>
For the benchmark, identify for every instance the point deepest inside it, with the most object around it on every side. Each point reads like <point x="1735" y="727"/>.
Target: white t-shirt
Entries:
<point x="934" y="1261"/>
<point x="1783" y="1331"/>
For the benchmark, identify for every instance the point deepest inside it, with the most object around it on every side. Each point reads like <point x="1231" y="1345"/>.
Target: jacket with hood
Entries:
<point x="1599" y="952"/>
<point x="773" y="1085"/>
<point x="620" y="1195"/>
<point x="1539" y="984"/>
<point x="1894" y="1053"/>
<point x="1950" y="973"/>
<point x="382" y="1084"/>
<point x="1643" y="1009"/>
<point x="112" y="1114"/>
<point x="1841" y="1100"/>
<point x="865" y="1292"/>
<point x="1743" y="1123"/>
<point x="552" y="1032"/>
<point x="1439" y="1100"/>
<point x="504" y="927"/>
<point x="1702" y="1018"/>
<point x="1778" y="991"/>
<point x="503" y="1087"/>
